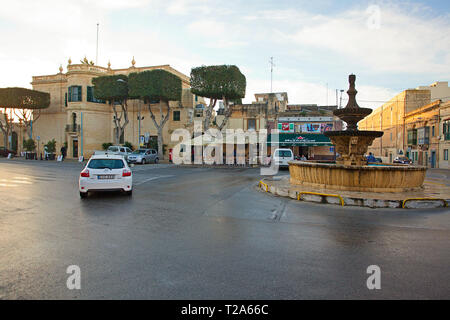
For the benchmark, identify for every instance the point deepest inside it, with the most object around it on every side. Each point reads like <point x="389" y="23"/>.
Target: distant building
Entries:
<point x="75" y="117"/>
<point x="439" y="90"/>
<point x="390" y="118"/>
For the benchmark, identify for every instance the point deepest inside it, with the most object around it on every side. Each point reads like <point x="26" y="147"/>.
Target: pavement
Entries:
<point x="434" y="193"/>
<point x="207" y="233"/>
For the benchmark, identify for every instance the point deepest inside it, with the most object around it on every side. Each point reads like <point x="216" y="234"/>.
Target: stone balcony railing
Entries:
<point x="73" y="128"/>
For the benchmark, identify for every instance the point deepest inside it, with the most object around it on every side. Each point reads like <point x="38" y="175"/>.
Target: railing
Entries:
<point x="72" y="128"/>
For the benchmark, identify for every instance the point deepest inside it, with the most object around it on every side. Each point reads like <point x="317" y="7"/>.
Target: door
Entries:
<point x="14" y="141"/>
<point x="75" y="148"/>
<point x="433" y="159"/>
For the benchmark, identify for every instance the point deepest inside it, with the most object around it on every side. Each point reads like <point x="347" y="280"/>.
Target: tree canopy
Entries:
<point x="155" y="84"/>
<point x="217" y="82"/>
<point x="111" y="87"/>
<point x="22" y="98"/>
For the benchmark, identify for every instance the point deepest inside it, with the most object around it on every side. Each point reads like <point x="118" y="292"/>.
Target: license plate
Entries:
<point x="105" y="176"/>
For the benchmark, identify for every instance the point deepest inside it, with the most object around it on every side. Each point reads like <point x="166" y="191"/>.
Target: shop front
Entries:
<point x="312" y="146"/>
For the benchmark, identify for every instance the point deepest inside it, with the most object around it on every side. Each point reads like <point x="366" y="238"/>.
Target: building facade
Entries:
<point x="83" y="123"/>
<point x="390" y="118"/>
<point x="444" y="135"/>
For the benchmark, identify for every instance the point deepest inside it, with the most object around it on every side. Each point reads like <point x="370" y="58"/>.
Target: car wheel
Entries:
<point x="143" y="161"/>
<point x="83" y="195"/>
<point x="156" y="160"/>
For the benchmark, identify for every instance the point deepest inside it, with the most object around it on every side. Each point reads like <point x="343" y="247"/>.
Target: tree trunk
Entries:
<point x="208" y="114"/>
<point x="160" y="126"/>
<point x="160" y="143"/>
<point x="227" y="113"/>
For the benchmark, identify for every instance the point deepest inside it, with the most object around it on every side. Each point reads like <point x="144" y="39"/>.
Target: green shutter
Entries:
<point x="70" y="94"/>
<point x="79" y="93"/>
<point x="89" y="94"/>
<point x="65" y="99"/>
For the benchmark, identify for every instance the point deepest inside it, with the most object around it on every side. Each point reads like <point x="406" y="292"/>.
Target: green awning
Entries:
<point x="300" y="139"/>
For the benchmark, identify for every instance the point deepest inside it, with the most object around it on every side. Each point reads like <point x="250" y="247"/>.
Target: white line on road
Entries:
<point x="150" y="179"/>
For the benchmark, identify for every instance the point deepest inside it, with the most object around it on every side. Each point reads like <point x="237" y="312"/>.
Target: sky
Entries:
<point x="390" y="45"/>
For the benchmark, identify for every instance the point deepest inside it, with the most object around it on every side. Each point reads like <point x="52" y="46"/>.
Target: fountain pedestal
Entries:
<point x="351" y="171"/>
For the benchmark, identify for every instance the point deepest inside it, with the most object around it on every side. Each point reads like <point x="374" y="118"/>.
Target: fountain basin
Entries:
<point x="380" y="178"/>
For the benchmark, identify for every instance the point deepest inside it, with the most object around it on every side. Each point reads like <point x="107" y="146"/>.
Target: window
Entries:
<point x="65" y="100"/>
<point x="391" y="136"/>
<point x="106" y="163"/>
<point x="176" y="116"/>
<point x="90" y="96"/>
<point x="196" y="98"/>
<point x="412" y="137"/>
<point x="445" y="154"/>
<point x="74" y="93"/>
<point x="432" y="131"/>
<point x="251" y="124"/>
<point x="446" y="130"/>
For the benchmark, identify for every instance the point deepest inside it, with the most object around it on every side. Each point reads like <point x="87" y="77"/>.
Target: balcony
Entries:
<point x="72" y="128"/>
<point x="447" y="136"/>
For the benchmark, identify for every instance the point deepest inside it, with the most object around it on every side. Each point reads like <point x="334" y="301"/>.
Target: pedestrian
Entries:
<point x="45" y="153"/>
<point x="63" y="152"/>
<point x="303" y="158"/>
<point x="371" y="158"/>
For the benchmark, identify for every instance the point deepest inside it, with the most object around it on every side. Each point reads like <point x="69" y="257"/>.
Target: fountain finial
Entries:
<point x="352" y="104"/>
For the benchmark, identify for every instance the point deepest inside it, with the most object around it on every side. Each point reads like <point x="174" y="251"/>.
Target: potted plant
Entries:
<point x="51" y="149"/>
<point x="29" y="146"/>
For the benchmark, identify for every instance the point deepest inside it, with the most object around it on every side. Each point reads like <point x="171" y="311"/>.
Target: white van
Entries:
<point x="282" y="156"/>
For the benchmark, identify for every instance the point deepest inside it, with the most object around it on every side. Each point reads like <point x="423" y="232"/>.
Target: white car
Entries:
<point x="106" y="172"/>
<point x="282" y="156"/>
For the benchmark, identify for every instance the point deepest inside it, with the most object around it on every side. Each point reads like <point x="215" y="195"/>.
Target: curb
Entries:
<point x="336" y="199"/>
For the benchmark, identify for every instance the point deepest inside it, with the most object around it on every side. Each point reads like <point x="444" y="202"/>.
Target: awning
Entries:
<point x="300" y="139"/>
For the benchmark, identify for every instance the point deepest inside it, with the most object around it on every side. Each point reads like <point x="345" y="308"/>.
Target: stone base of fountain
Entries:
<point x="367" y="178"/>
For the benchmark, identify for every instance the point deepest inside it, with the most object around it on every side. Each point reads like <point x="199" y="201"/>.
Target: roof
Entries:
<point x="106" y="155"/>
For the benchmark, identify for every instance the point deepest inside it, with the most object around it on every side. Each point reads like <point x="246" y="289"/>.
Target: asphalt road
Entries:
<point x="205" y="233"/>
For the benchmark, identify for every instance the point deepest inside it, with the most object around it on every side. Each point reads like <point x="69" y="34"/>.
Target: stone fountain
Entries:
<point x="351" y="171"/>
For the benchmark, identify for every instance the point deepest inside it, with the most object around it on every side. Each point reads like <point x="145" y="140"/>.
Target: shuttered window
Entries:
<point x="74" y="93"/>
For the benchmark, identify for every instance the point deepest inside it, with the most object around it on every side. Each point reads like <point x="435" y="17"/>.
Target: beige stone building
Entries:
<point x="390" y="118"/>
<point x="75" y="117"/>
<point x="444" y="135"/>
<point x="422" y="132"/>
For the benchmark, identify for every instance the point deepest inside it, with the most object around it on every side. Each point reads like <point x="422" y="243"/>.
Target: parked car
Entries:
<point x="120" y="150"/>
<point x="282" y="156"/>
<point x="402" y="160"/>
<point x="4" y="152"/>
<point x="106" y="172"/>
<point x="143" y="156"/>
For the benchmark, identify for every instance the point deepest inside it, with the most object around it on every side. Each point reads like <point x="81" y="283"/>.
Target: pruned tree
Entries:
<point x="156" y="85"/>
<point x="21" y="102"/>
<point x="223" y="82"/>
<point x="114" y="89"/>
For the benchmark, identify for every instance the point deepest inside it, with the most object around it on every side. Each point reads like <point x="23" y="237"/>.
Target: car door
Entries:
<point x="153" y="154"/>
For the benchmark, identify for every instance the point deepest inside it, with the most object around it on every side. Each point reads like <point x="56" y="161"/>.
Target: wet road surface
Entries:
<point x="204" y="233"/>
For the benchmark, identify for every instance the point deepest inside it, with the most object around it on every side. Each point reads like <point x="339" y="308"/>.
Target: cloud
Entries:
<point x="304" y="92"/>
<point x="185" y="7"/>
<point x="398" y="42"/>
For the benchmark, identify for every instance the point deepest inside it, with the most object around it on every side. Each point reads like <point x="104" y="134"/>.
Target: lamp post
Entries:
<point x="139" y="117"/>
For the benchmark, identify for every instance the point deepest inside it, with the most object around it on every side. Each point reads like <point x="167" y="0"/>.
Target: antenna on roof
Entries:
<point x="96" y="52"/>
<point x="271" y="72"/>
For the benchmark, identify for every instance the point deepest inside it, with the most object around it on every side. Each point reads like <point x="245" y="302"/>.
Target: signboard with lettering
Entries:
<point x="286" y="127"/>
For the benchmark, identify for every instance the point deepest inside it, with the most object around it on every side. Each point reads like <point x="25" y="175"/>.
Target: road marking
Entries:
<point x="150" y="179"/>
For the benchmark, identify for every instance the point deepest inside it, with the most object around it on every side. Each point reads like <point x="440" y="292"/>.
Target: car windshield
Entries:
<point x="139" y="151"/>
<point x="283" y="153"/>
<point x="114" y="149"/>
<point x="106" y="163"/>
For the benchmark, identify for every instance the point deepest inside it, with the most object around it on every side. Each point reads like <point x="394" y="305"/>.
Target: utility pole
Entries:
<point x="96" y="52"/>
<point x="271" y="72"/>
<point x="340" y="103"/>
